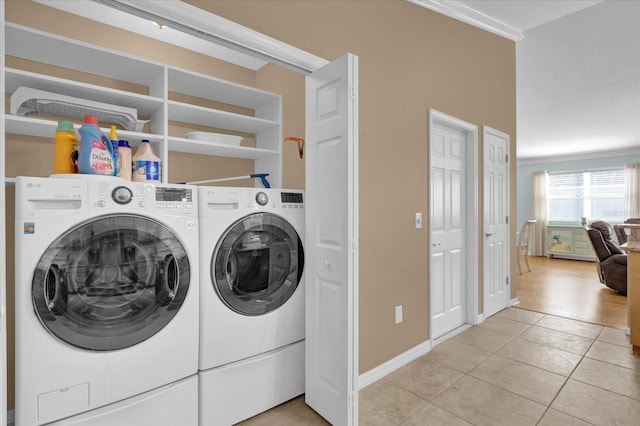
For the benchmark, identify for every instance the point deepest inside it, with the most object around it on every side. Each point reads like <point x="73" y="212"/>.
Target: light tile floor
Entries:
<point x="516" y="368"/>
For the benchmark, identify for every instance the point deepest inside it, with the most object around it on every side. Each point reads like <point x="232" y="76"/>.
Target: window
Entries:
<point x="594" y="194"/>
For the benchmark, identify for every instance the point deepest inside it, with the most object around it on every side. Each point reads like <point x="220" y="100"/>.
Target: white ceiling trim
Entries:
<point x="194" y="29"/>
<point x="126" y="21"/>
<point x="461" y="12"/>
<point x="215" y="29"/>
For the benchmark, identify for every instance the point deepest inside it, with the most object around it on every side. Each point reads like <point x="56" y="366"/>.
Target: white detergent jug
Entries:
<point x="146" y="166"/>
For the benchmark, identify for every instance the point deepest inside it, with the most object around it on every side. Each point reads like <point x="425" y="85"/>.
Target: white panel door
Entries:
<point x="448" y="229"/>
<point x="331" y="269"/>
<point x="496" y="227"/>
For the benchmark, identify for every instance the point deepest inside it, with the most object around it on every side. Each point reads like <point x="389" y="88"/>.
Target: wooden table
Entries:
<point x="633" y="285"/>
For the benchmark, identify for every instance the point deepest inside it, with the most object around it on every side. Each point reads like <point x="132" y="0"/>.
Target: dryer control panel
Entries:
<point x="292" y="200"/>
<point x="271" y="199"/>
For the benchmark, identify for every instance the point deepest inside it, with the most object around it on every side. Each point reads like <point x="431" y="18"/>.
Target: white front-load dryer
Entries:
<point x="251" y="301"/>
<point x="106" y="299"/>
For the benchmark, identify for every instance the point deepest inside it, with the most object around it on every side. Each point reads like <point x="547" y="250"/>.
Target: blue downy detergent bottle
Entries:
<point x="95" y="152"/>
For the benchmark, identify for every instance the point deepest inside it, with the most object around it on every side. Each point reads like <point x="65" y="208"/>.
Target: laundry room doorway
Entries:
<point x="453" y="227"/>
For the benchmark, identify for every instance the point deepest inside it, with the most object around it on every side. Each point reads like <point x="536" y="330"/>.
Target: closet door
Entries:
<point x="331" y="379"/>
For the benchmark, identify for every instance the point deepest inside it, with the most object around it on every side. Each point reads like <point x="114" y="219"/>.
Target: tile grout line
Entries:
<point x="566" y="380"/>
<point x="438" y="394"/>
<point x="582" y="357"/>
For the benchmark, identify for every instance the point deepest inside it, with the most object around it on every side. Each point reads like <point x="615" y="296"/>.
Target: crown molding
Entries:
<point x="461" y="12"/>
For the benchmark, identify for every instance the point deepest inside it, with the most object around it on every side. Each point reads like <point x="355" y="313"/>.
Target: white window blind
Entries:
<point x="594" y="194"/>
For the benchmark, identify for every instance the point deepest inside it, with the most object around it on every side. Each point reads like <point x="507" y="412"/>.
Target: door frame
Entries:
<point x="486" y="130"/>
<point x="472" y="220"/>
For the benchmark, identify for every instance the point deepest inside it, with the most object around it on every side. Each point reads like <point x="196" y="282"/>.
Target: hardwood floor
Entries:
<point x="570" y="289"/>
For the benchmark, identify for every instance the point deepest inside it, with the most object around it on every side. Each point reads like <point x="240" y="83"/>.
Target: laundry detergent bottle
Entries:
<point x="95" y="153"/>
<point x="113" y="137"/>
<point x="124" y="160"/>
<point x="66" y="144"/>
<point x="146" y="166"/>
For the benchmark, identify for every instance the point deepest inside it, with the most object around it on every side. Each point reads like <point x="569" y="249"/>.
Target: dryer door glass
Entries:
<point x="111" y="282"/>
<point x="257" y="264"/>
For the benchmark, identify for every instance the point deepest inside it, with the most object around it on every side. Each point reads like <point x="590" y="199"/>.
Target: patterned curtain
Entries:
<point x="539" y="229"/>
<point x="631" y="190"/>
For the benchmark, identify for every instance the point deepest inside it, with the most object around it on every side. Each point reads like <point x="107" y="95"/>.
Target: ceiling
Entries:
<point x="578" y="72"/>
<point x="524" y="15"/>
<point x="577" y="66"/>
<point x="508" y="18"/>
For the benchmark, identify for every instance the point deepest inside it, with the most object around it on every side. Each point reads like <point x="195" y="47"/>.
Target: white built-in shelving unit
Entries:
<point x="155" y="101"/>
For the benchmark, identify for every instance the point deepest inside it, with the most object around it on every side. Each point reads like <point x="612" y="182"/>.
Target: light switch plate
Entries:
<point x="398" y="314"/>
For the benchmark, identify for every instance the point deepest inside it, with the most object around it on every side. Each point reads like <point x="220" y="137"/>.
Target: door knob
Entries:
<point x="488" y="234"/>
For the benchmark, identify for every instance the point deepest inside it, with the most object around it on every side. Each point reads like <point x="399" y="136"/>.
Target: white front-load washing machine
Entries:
<point x="106" y="301"/>
<point x="251" y="301"/>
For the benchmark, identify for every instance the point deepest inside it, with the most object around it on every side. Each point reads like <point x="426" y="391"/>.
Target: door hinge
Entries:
<point x="352" y="91"/>
<point x="506" y="158"/>
<point x="507" y="280"/>
<point x="506" y="219"/>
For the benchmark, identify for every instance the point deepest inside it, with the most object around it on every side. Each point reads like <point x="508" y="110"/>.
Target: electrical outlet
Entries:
<point x="418" y="220"/>
<point x="398" y="314"/>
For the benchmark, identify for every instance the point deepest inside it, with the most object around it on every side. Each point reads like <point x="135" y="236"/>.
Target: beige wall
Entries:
<point x="410" y="60"/>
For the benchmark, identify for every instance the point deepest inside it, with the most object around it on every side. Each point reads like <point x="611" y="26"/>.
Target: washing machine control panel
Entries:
<point x="179" y="199"/>
<point x="174" y="198"/>
<point x="177" y="195"/>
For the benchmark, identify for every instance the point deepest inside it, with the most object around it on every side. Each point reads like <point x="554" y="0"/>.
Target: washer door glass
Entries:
<point x="257" y="264"/>
<point x="111" y="282"/>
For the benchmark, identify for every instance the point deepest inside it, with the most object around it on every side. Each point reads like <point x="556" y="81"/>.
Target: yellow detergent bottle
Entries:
<point x="66" y="143"/>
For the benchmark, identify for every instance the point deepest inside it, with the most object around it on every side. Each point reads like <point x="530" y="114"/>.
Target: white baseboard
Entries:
<point x="515" y="301"/>
<point x="479" y="319"/>
<point x="393" y="364"/>
<point x="11" y="417"/>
